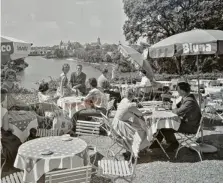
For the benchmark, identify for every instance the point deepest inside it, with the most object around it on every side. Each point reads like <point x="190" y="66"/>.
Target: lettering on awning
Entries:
<point x="22" y="48"/>
<point x="196" y="48"/>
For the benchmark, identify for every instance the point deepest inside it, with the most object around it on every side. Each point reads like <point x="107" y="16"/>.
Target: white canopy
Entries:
<point x="14" y="47"/>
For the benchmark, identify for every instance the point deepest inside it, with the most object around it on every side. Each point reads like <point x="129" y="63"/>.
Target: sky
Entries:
<point x="47" y="22"/>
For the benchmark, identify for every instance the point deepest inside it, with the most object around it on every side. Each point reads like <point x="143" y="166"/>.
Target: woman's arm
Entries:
<point x="5" y="121"/>
<point x="135" y="110"/>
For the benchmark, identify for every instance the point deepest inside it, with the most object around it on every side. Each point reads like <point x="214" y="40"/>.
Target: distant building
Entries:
<point x="94" y="45"/>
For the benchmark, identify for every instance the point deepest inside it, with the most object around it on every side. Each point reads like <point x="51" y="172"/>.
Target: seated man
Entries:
<point x="189" y="112"/>
<point x="77" y="80"/>
<point x="103" y="82"/>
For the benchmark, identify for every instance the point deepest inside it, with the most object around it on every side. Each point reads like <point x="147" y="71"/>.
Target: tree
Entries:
<point x="107" y="58"/>
<point x="158" y="19"/>
<point x="59" y="53"/>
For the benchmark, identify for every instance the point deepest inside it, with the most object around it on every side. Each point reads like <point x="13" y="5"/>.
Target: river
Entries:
<point x="40" y="68"/>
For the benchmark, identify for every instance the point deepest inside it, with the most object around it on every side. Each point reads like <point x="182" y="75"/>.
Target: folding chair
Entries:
<point x="115" y="169"/>
<point x="89" y="128"/>
<point x="3" y="157"/>
<point x="189" y="140"/>
<point x="13" y="178"/>
<point x="76" y="175"/>
<point x="41" y="132"/>
<point x="117" y="140"/>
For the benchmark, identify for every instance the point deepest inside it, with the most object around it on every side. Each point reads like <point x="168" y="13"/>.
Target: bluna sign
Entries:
<point x="195" y="48"/>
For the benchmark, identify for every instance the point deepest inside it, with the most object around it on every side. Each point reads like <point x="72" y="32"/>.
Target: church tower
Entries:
<point x="99" y="41"/>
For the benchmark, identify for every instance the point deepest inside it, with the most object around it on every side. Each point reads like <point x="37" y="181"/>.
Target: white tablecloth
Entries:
<point x="71" y="104"/>
<point x="66" y="154"/>
<point x="20" y="122"/>
<point x="165" y="83"/>
<point x="161" y="119"/>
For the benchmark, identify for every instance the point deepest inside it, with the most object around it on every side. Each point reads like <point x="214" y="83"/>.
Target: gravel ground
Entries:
<point x="155" y="167"/>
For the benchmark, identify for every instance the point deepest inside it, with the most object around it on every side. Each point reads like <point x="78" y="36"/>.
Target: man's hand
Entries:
<point x="174" y="111"/>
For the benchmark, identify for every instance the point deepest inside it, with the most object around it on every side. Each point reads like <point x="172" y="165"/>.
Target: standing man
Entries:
<point x="145" y="85"/>
<point x="77" y="80"/>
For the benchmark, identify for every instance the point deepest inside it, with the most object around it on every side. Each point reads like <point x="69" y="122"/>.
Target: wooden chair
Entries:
<point x="76" y="175"/>
<point x="115" y="169"/>
<point x="89" y="128"/>
<point x="47" y="132"/>
<point x="3" y="158"/>
<point x="189" y="140"/>
<point x="13" y="178"/>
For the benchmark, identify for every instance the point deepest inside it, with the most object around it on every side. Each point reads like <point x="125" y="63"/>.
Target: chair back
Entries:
<point x="110" y="106"/>
<point x="47" y="132"/>
<point x="16" y="177"/>
<point x="76" y="175"/>
<point x="87" y="127"/>
<point x="200" y="128"/>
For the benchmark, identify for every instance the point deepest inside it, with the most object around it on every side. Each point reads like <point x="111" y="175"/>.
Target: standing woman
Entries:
<point x="64" y="89"/>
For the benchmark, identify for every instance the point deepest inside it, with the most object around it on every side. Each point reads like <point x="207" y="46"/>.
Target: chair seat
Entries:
<point x="13" y="178"/>
<point x="188" y="140"/>
<point x="114" y="167"/>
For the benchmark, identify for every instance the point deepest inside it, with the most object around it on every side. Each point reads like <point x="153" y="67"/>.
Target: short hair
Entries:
<point x="105" y="71"/>
<point x="184" y="86"/>
<point x="4" y="91"/>
<point x="129" y="93"/>
<point x="10" y="72"/>
<point x="65" y="65"/>
<point x="43" y="87"/>
<point x="93" y="82"/>
<point x="166" y="88"/>
<point x="80" y="66"/>
<point x="143" y="71"/>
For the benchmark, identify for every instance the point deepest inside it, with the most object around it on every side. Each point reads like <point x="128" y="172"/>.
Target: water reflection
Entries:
<point x="40" y="68"/>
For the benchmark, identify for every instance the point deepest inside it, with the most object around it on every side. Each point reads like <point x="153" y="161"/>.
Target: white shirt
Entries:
<point x="145" y="82"/>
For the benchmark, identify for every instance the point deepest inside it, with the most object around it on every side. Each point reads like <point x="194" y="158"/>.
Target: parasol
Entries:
<point x="13" y="49"/>
<point x="195" y="42"/>
<point x="138" y="59"/>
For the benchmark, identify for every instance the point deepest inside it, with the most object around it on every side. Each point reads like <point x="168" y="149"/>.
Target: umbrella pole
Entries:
<point x="198" y="80"/>
<point x="204" y="148"/>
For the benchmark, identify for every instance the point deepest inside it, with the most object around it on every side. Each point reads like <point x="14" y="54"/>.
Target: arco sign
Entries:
<point x="7" y="48"/>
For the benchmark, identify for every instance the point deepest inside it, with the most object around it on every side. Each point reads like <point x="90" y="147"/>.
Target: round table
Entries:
<point x="20" y="122"/>
<point x="66" y="154"/>
<point x="71" y="104"/>
<point x="161" y="119"/>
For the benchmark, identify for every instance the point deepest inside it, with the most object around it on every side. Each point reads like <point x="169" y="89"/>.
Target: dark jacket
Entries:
<point x="78" y="80"/>
<point x="190" y="113"/>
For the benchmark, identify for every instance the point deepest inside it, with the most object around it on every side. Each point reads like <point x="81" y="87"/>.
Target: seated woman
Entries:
<point x="127" y="111"/>
<point x="13" y="89"/>
<point x="45" y="94"/>
<point x="10" y="143"/>
<point x="11" y="103"/>
<point x="95" y="102"/>
<point x="64" y="89"/>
